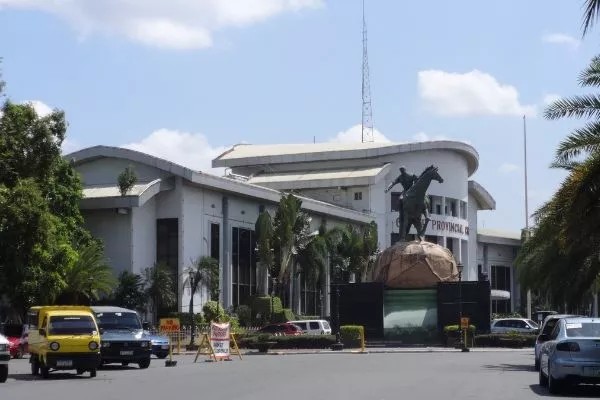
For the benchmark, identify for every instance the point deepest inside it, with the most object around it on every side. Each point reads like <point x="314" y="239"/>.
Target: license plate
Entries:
<point x="592" y="371"/>
<point x="64" y="363"/>
<point x="165" y="347"/>
<point x="126" y="352"/>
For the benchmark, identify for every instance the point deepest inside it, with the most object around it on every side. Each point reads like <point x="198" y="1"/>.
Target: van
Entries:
<point x="63" y="338"/>
<point x="4" y="358"/>
<point x="313" y="326"/>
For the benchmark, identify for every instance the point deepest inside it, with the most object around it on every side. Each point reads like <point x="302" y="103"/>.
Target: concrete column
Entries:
<point x="443" y="210"/>
<point x="226" y="296"/>
<point x="325" y="289"/>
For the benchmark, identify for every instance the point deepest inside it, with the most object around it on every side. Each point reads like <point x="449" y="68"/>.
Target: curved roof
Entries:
<point x="483" y="197"/>
<point x="252" y="154"/>
<point x="207" y="180"/>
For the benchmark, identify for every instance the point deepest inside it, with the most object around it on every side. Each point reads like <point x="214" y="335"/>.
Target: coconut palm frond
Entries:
<point x="591" y="75"/>
<point x="583" y="106"/>
<point x="592" y="9"/>
<point x="584" y="140"/>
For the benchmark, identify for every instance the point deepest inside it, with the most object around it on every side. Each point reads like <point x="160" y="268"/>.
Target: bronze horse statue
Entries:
<point x="415" y="204"/>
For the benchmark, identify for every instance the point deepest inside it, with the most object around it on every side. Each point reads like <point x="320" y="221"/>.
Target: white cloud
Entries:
<point x="42" y="109"/>
<point x="423" y="137"/>
<point x="551" y="98"/>
<point x="354" y="135"/>
<point x="561" y="39"/>
<point x="471" y="93"/>
<point x="507" y="168"/>
<point x="70" y="146"/>
<point x="175" y="24"/>
<point x="191" y="150"/>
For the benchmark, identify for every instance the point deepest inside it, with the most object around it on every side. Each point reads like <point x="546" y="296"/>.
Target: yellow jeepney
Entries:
<point x="63" y="338"/>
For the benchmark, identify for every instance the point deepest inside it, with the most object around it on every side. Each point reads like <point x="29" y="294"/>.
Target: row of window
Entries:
<point x="453" y="207"/>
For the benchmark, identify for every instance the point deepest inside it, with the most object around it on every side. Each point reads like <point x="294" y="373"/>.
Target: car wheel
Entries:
<point x="145" y="363"/>
<point x="35" y="365"/>
<point x="554" y="385"/>
<point x="543" y="380"/>
<point x="3" y="373"/>
<point x="537" y="364"/>
<point x="93" y="373"/>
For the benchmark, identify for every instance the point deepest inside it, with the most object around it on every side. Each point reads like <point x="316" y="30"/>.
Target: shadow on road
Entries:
<point x="583" y="391"/>
<point x="510" y="367"/>
<point x="53" y="376"/>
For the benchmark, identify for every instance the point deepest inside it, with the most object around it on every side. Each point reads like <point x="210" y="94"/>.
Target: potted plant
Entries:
<point x="264" y="343"/>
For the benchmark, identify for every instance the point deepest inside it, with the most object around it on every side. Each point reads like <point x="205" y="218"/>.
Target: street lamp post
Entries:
<point x="192" y="322"/>
<point x="463" y="344"/>
<point x="338" y="345"/>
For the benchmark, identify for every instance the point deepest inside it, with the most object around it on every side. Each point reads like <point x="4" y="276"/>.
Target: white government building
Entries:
<point x="175" y="215"/>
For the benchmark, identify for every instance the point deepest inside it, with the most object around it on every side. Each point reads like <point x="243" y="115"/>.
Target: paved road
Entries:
<point x="436" y="375"/>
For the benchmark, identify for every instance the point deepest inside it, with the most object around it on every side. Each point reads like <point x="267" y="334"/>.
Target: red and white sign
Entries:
<point x="219" y="339"/>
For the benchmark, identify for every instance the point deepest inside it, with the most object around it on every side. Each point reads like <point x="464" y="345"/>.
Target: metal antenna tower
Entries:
<point x="367" y="112"/>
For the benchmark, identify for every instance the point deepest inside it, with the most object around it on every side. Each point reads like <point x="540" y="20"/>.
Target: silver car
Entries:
<point x="547" y="327"/>
<point x="514" y="325"/>
<point x="572" y="354"/>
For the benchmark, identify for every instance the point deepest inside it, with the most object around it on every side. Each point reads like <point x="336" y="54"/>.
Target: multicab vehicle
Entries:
<point x="4" y="358"/>
<point x="572" y="354"/>
<point x="123" y="339"/>
<point x="63" y="338"/>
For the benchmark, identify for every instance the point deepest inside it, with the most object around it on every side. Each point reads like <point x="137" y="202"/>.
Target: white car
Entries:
<point x="313" y="326"/>
<point x="515" y="325"/>
<point x="4" y="358"/>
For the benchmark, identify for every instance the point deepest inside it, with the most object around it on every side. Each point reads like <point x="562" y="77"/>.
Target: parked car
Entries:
<point x="571" y="354"/>
<point x="160" y="344"/>
<point x="313" y="326"/>
<point x="4" y="358"/>
<point x="545" y="331"/>
<point x="14" y="333"/>
<point x="515" y="325"/>
<point x="122" y="337"/>
<point x="281" y="329"/>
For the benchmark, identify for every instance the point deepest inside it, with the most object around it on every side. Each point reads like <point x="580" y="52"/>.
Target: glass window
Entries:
<point x="358" y="196"/>
<point x="585" y="329"/>
<point x="395" y="197"/>
<point x="71" y="325"/>
<point x="118" y="320"/>
<point x="215" y="244"/>
<point x="243" y="265"/>
<point x="314" y="325"/>
<point x="167" y="252"/>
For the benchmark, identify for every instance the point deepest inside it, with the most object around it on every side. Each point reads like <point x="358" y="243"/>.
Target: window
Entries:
<point x="310" y="296"/>
<point x="215" y="245"/>
<point x="167" y="252"/>
<point x="395" y="197"/>
<point x="314" y="325"/>
<point x="357" y="195"/>
<point x="438" y="209"/>
<point x="394" y="238"/>
<point x="500" y="280"/>
<point x="243" y="265"/>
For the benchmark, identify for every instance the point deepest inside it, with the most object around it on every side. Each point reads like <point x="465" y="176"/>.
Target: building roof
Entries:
<point x="496" y="236"/>
<point x="319" y="179"/>
<point x="213" y="182"/>
<point x="249" y="154"/>
<point x="483" y="197"/>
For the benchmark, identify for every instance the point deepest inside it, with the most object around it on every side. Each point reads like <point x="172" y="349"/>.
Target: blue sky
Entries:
<point x="186" y="79"/>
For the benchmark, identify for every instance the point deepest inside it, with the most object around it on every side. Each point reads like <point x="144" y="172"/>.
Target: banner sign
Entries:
<point x="219" y="339"/>
<point x="169" y="325"/>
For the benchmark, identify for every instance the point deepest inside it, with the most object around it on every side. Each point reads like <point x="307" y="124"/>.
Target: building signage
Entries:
<point x="219" y="339"/>
<point x="448" y="226"/>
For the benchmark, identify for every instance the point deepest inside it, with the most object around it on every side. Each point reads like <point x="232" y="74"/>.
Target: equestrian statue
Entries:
<point x="414" y="202"/>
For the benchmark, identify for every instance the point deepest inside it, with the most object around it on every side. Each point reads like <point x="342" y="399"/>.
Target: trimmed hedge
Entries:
<point x="351" y="335"/>
<point x="288" y="342"/>
<point x="456" y="328"/>
<point x="306" y="317"/>
<point x="284" y="316"/>
<point x="505" y="340"/>
<point x="262" y="306"/>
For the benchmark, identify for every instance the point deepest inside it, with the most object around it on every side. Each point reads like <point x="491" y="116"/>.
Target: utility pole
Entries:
<point x="526" y="203"/>
<point x="367" y="112"/>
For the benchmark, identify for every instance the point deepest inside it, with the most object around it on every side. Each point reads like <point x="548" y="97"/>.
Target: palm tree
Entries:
<point x="130" y="291"/>
<point x="160" y="288"/>
<point x="204" y="271"/>
<point x="87" y="277"/>
<point x="592" y="9"/>
<point x="264" y="246"/>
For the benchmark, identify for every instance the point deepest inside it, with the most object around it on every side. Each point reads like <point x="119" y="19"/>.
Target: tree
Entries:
<point x="40" y="221"/>
<point x="264" y="244"/>
<point x="357" y="250"/>
<point x="592" y="9"/>
<point x="204" y="271"/>
<point x="126" y="180"/>
<point x="88" y="277"/>
<point x="160" y="288"/>
<point x="130" y="291"/>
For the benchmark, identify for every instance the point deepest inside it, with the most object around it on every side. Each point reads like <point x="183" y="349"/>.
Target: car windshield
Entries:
<point x="549" y="326"/>
<point x="583" y="329"/>
<point x="326" y="325"/>
<point x="71" y="325"/>
<point x="118" y="320"/>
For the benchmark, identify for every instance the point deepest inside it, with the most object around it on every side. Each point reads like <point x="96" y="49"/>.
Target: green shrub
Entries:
<point x="244" y="314"/>
<point x="284" y="316"/>
<point x="213" y="311"/>
<point x="351" y="335"/>
<point x="306" y="317"/>
<point x="455" y="328"/>
<point x="261" y="309"/>
<point x="505" y="340"/>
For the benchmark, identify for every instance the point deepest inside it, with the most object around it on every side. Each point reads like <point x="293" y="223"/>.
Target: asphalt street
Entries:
<point x="328" y="376"/>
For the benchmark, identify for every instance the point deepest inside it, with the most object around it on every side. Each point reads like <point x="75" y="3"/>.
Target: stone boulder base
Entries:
<point x="412" y="265"/>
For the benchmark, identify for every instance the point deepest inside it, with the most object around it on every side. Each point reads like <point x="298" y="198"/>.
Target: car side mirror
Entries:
<point x="42" y="332"/>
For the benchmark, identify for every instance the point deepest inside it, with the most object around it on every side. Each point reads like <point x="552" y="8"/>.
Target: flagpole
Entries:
<point x="526" y="203"/>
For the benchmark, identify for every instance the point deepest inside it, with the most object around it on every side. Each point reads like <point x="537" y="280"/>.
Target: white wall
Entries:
<point x="474" y="256"/>
<point x="115" y="231"/>
<point x="106" y="171"/>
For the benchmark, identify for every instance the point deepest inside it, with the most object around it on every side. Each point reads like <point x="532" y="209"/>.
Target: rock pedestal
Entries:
<point x="415" y="265"/>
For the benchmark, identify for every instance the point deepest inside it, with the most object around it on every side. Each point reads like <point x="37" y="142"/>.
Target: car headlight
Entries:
<point x="144" y="344"/>
<point x="3" y="347"/>
<point x="105" y="344"/>
<point x="93" y="345"/>
<point x="54" y="346"/>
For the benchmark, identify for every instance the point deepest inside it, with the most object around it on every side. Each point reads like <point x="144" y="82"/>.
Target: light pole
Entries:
<point x="192" y="322"/>
<point x="463" y="345"/>
<point x="338" y="345"/>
